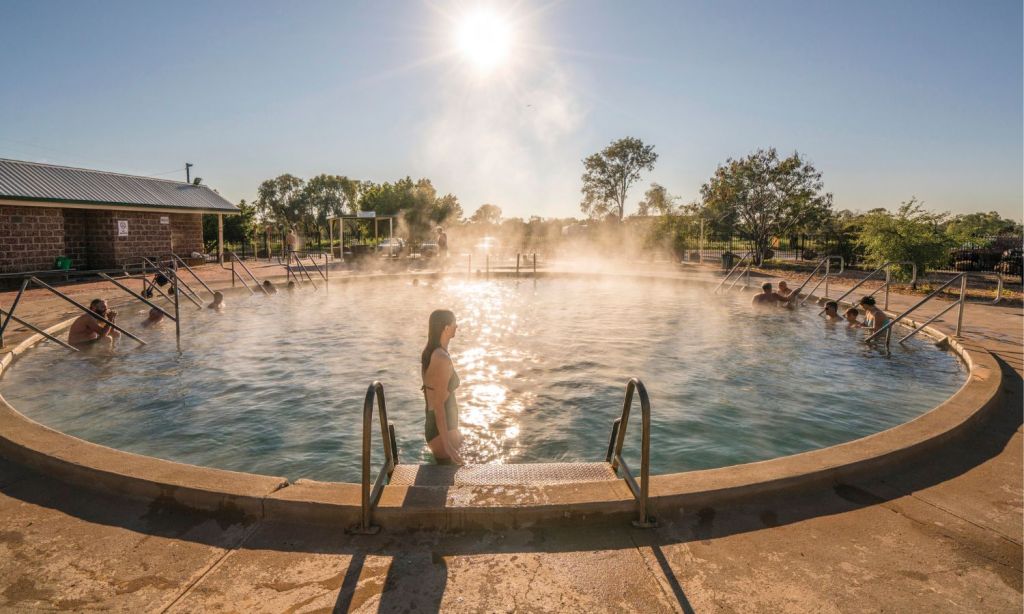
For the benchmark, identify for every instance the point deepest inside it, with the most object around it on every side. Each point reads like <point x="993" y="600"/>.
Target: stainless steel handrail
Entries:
<point x="137" y="295"/>
<point x="960" y="302"/>
<point x="888" y="281"/>
<point x="302" y="268"/>
<point x="733" y="270"/>
<point x="92" y="313"/>
<point x="317" y="266"/>
<point x="9" y="315"/>
<point x="618" y="437"/>
<point x="171" y="275"/>
<point x="370" y="497"/>
<point x="235" y="258"/>
<point x="179" y="260"/>
<point x="828" y="275"/>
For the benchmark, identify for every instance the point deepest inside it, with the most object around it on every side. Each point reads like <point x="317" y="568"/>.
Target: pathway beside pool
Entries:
<point x="941" y="535"/>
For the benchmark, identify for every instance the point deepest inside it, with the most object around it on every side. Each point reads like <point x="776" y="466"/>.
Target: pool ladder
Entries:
<point x="370" y="492"/>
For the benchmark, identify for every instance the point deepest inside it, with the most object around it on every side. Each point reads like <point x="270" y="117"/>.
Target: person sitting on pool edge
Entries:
<point x="155" y="317"/>
<point x="87" y="330"/>
<point x="832" y="312"/>
<point x="874" y="318"/>
<point x="851" y="318"/>
<point x="441" y="421"/>
<point x="218" y="301"/>
<point x="269" y="287"/>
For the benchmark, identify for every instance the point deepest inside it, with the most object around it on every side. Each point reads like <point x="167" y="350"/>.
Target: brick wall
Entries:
<point x="186" y="233"/>
<point x="30" y="238"/>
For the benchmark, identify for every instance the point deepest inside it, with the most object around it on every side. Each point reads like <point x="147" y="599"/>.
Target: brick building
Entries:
<point x="99" y="220"/>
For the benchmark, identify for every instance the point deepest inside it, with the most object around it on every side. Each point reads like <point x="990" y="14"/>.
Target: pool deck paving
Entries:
<point x="942" y="534"/>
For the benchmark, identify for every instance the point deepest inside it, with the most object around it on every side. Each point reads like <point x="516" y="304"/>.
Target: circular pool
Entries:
<point x="275" y="385"/>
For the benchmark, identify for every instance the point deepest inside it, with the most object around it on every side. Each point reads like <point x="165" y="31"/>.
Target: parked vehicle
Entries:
<point x="391" y="248"/>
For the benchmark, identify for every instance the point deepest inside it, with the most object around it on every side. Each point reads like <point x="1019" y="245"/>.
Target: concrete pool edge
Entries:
<point x="239" y="496"/>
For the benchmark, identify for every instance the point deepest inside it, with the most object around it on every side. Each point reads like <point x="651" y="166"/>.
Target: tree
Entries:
<point x="657" y="201"/>
<point x="326" y="196"/>
<point x="487" y="214"/>
<point x="237" y="228"/>
<point x="279" y="200"/>
<point x="909" y="235"/>
<point x="979" y="226"/>
<point x="608" y="175"/>
<point x="767" y="196"/>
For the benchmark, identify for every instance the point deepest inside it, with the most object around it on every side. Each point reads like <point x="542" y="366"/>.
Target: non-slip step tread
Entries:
<point x="528" y="474"/>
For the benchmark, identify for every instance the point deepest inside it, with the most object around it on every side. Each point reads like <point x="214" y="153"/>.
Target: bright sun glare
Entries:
<point x="484" y="39"/>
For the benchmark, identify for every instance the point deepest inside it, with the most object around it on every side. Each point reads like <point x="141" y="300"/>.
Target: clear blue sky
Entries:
<point x="888" y="99"/>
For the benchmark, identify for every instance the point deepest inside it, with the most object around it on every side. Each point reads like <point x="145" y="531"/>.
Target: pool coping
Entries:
<point x="238" y="496"/>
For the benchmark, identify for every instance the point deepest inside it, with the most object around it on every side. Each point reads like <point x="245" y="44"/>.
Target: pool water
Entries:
<point x="275" y="385"/>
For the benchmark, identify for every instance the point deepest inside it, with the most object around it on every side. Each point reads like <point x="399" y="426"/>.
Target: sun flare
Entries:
<point x="484" y="39"/>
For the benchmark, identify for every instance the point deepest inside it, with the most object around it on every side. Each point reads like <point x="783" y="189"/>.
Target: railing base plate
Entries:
<point x="358" y="530"/>
<point x="650" y="524"/>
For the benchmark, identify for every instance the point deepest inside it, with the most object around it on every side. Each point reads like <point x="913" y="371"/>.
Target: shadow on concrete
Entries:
<point x="418" y="574"/>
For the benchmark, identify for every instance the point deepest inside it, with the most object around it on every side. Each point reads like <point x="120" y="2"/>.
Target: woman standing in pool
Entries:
<point x="441" y="426"/>
<point x="874" y="318"/>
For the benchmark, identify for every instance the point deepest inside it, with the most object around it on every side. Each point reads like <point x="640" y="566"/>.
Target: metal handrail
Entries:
<point x="235" y="258"/>
<point x="180" y="261"/>
<point x="370" y="497"/>
<point x="172" y="275"/>
<point x="317" y="266"/>
<point x="92" y="313"/>
<point x="959" y="302"/>
<point x="137" y="295"/>
<point x="733" y="270"/>
<point x="9" y="315"/>
<point x="887" y="266"/>
<point x="827" y="260"/>
<point x="302" y="268"/>
<point x="618" y="437"/>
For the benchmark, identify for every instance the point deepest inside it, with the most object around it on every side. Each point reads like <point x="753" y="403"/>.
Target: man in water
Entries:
<point x="851" y="318"/>
<point x="767" y="297"/>
<point x="218" y="301"/>
<point x="155" y="317"/>
<point x="784" y="290"/>
<point x="269" y="286"/>
<point x="832" y="312"/>
<point x="87" y="330"/>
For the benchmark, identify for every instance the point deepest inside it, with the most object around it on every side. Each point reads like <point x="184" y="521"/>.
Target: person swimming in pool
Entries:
<point x="155" y="317"/>
<point x="218" y="301"/>
<point x="851" y="318"/>
<point x="441" y="423"/>
<point x="832" y="312"/>
<point x="874" y="318"/>
<point x="88" y="331"/>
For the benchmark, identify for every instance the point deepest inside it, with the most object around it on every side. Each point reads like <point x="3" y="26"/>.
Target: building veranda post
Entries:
<point x="97" y="219"/>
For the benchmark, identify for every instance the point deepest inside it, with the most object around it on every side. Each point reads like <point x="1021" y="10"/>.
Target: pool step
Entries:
<point x="530" y="474"/>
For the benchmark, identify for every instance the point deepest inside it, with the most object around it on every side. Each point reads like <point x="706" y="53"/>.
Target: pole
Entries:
<point x="233" y="273"/>
<point x="517" y="265"/>
<point x="188" y="173"/>
<point x="220" y="238"/>
<point x="700" y="246"/>
<point x="177" y="307"/>
<point x="963" y="301"/>
<point x="534" y="264"/>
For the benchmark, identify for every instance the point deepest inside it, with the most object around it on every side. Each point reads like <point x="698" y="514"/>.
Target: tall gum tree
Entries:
<point x="608" y="175"/>
<point x="768" y="196"/>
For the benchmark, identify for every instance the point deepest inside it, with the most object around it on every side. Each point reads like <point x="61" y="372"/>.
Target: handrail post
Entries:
<point x="641" y="491"/>
<point x="177" y="310"/>
<point x="517" y="264"/>
<point x="963" y="301"/>
<point x="369" y="497"/>
<point x="534" y="264"/>
<point x="14" y="305"/>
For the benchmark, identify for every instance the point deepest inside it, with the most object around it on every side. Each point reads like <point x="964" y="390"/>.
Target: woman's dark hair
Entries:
<point x="867" y="300"/>
<point x="438" y="320"/>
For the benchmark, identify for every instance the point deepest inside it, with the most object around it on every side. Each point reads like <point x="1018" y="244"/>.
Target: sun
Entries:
<point x="484" y="39"/>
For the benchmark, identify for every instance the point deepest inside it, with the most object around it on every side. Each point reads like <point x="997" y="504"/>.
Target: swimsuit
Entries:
<point x="451" y="410"/>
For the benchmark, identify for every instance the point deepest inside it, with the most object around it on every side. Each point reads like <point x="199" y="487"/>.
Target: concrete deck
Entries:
<point x="939" y="535"/>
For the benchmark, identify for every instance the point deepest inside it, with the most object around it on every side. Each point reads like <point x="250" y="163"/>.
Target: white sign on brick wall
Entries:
<point x="164" y="219"/>
<point x="122" y="228"/>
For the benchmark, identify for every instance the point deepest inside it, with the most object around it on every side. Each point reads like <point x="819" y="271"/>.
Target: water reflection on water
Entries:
<point x="275" y="385"/>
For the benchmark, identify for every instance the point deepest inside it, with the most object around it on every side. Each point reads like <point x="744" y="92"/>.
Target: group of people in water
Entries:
<point x="874" y="318"/>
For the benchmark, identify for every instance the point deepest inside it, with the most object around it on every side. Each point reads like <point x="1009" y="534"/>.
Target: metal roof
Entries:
<point x="34" y="181"/>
